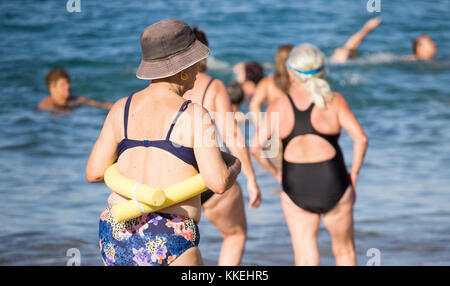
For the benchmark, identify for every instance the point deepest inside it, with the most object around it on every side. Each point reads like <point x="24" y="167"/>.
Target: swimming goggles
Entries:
<point x="311" y="72"/>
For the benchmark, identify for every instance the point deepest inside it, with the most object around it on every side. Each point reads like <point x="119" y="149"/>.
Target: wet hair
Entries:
<point x="307" y="57"/>
<point x="55" y="74"/>
<point x="281" y="76"/>
<point x="254" y="71"/>
<point x="236" y="92"/>
<point x="201" y="36"/>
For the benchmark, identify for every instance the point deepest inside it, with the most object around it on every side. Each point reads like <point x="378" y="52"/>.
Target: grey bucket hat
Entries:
<point x="168" y="47"/>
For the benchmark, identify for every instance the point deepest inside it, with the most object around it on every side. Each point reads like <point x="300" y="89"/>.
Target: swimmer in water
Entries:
<point x="60" y="100"/>
<point x="349" y="50"/>
<point x="424" y="48"/>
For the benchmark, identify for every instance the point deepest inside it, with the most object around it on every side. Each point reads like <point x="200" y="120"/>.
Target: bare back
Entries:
<point x="150" y="117"/>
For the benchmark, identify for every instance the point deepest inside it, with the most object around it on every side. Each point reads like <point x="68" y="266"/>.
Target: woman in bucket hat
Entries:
<point x="160" y="139"/>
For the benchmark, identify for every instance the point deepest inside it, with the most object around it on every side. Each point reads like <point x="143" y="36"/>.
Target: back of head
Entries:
<point x="201" y="36"/>
<point x="424" y="47"/>
<point x="54" y="75"/>
<point x="236" y="93"/>
<point x="281" y="74"/>
<point x="254" y="72"/>
<point x="307" y="63"/>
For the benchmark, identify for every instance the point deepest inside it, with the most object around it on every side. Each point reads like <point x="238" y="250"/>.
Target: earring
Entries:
<point x="184" y="76"/>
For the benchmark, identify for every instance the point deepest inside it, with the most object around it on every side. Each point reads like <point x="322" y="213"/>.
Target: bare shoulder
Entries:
<point x="196" y="111"/>
<point x="277" y="104"/>
<point x="116" y="112"/>
<point x="45" y="104"/>
<point x="218" y="85"/>
<point x="338" y="101"/>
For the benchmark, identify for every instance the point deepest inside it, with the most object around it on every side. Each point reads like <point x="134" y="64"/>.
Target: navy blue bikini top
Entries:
<point x="184" y="153"/>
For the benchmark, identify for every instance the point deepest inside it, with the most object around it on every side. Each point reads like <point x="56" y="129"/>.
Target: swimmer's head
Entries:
<point x="281" y="74"/>
<point x="201" y="36"/>
<point x="254" y="72"/>
<point x="306" y="64"/>
<point x="236" y="93"/>
<point x="424" y="47"/>
<point x="58" y="84"/>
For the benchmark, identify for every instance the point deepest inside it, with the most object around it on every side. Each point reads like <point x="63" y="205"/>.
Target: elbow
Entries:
<point x="92" y="177"/>
<point x="363" y="140"/>
<point x="217" y="186"/>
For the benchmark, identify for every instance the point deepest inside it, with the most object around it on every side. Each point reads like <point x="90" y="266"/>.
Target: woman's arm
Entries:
<point x="263" y="134"/>
<point x="258" y="100"/>
<point x="104" y="152"/>
<point x="219" y="175"/>
<point x="351" y="125"/>
<point x="235" y="141"/>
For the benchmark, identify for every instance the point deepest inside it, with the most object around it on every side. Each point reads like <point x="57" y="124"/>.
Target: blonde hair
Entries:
<point x="307" y="57"/>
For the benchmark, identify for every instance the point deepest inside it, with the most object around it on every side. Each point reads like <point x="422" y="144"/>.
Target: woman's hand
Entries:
<point x="254" y="194"/>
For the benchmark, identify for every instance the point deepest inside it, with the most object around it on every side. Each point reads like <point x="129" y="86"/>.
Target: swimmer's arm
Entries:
<point x="235" y="141"/>
<point x="219" y="175"/>
<point x="94" y="103"/>
<point x="258" y="100"/>
<point x="263" y="134"/>
<point x="351" y="125"/>
<point x="354" y="41"/>
<point x="104" y="152"/>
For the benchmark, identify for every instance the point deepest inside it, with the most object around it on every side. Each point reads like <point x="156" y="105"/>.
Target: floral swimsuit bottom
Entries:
<point x="153" y="239"/>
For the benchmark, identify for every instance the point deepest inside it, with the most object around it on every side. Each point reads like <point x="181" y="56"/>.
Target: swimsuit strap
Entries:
<point x="125" y="117"/>
<point x="182" y="109"/>
<point x="206" y="89"/>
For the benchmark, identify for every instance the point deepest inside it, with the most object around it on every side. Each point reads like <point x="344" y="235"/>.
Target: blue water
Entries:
<point x="403" y="194"/>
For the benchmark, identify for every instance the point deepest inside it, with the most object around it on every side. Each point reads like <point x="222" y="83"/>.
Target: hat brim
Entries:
<point x="163" y="68"/>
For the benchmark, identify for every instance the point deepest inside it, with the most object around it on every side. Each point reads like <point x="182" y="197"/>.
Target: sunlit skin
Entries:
<point x="60" y="100"/>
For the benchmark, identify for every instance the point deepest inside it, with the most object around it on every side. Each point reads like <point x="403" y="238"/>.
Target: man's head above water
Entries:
<point x="424" y="47"/>
<point x="58" y="84"/>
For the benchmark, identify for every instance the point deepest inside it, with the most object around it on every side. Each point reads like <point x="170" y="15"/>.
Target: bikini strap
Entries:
<point x="182" y="109"/>
<point x="206" y="89"/>
<point x="125" y="117"/>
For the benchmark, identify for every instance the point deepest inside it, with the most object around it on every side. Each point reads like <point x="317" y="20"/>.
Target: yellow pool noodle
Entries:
<point x="124" y="186"/>
<point x="174" y="194"/>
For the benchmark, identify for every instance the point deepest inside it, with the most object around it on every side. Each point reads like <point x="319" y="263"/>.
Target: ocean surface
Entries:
<point x="402" y="210"/>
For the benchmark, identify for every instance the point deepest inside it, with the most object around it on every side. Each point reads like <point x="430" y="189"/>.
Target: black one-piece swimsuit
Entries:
<point x="315" y="187"/>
